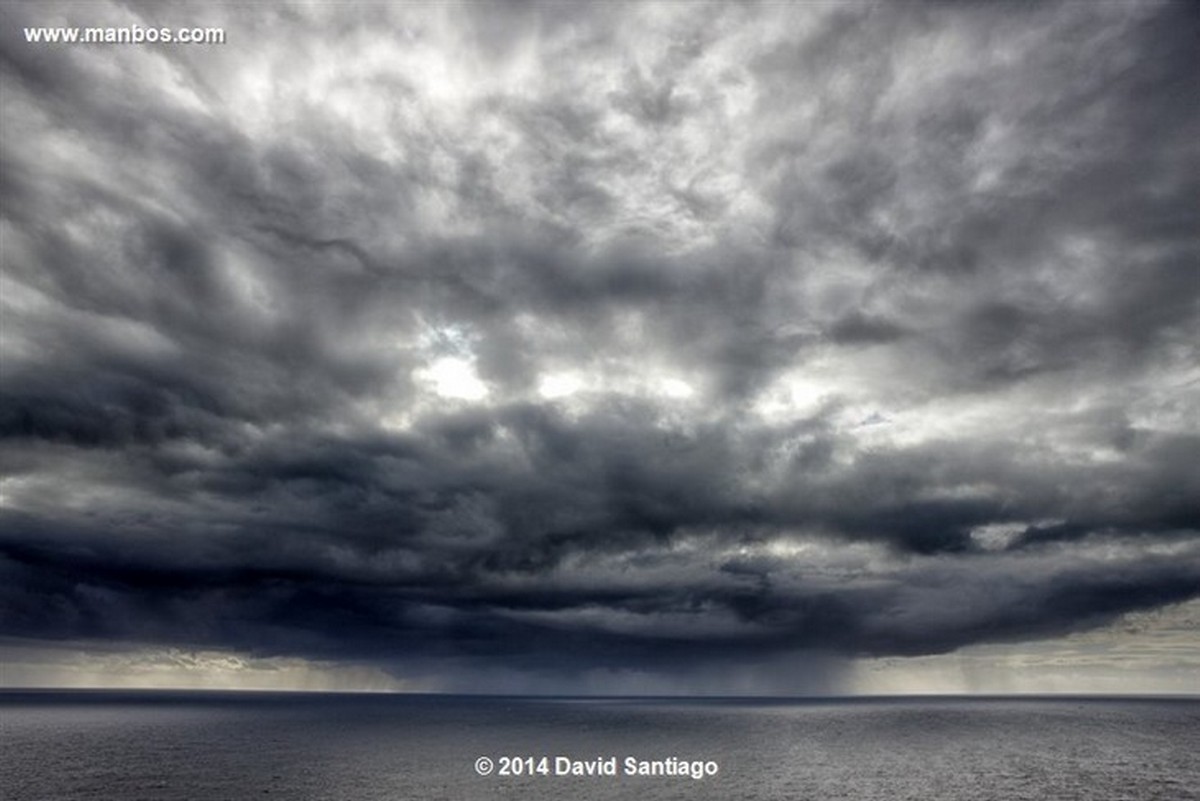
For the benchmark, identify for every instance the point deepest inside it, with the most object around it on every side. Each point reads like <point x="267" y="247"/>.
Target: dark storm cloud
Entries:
<point x="635" y="340"/>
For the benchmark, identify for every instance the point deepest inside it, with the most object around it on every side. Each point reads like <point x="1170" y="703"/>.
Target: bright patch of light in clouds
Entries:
<point x="105" y="666"/>
<point x="453" y="377"/>
<point x="560" y="385"/>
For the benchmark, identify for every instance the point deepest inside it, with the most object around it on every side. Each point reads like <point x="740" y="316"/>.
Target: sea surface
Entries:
<point x="155" y="745"/>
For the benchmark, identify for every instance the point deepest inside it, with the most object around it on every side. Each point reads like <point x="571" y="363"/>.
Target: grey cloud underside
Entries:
<point x="975" y="230"/>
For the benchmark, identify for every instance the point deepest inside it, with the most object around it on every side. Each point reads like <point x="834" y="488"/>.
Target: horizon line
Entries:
<point x="288" y="691"/>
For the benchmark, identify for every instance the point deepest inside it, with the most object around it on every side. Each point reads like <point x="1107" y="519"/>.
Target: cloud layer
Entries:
<point x="517" y="335"/>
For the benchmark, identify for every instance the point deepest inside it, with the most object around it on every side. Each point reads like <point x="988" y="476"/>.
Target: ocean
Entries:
<point x="344" y="747"/>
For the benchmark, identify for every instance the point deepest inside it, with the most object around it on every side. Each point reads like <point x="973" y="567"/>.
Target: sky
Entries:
<point x="749" y="348"/>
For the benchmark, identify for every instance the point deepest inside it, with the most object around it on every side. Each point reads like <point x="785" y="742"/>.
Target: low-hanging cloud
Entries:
<point x="615" y="341"/>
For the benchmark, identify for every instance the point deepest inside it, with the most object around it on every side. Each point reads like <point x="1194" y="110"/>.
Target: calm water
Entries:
<point x="67" y="746"/>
